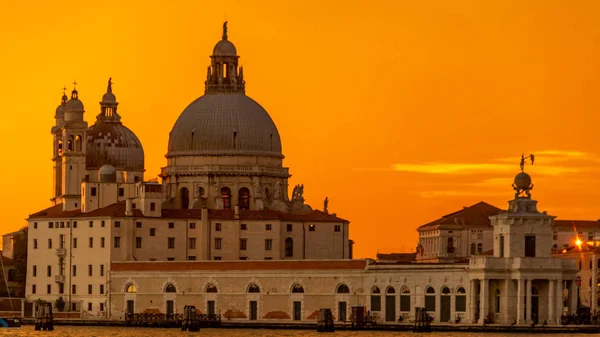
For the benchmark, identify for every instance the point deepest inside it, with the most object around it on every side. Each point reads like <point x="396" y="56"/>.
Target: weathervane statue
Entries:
<point x="522" y="184"/>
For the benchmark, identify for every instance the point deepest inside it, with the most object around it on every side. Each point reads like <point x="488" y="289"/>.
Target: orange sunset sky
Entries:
<point x="398" y="111"/>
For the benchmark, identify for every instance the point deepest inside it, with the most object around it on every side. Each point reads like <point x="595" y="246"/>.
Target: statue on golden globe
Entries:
<point x="522" y="184"/>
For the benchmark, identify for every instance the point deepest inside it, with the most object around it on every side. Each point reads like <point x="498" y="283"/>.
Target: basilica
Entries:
<point x="220" y="230"/>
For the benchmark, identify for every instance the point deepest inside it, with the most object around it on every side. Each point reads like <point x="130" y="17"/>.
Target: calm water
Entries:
<point x="72" y="331"/>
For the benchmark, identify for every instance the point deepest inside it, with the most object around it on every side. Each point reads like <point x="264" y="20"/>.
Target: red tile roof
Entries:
<point x="239" y="265"/>
<point x="397" y="257"/>
<point x="577" y="224"/>
<point x="118" y="210"/>
<point x="475" y="216"/>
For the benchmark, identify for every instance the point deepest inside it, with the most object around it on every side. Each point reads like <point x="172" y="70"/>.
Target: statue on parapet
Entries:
<point x="325" y="203"/>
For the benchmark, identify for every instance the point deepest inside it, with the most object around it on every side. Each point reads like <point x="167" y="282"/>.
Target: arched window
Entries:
<point x="479" y="248"/>
<point x="450" y="246"/>
<point x="170" y="288"/>
<point x="70" y="143"/>
<point x="390" y="290"/>
<point x="201" y="191"/>
<point x="297" y="289"/>
<point x="289" y="247"/>
<point x="131" y="288"/>
<point x="244" y="198"/>
<point x="473" y="249"/>
<point x="253" y="288"/>
<point x="405" y="299"/>
<point x="60" y="147"/>
<point x="211" y="288"/>
<point x="430" y="299"/>
<point x="343" y="289"/>
<point x="185" y="198"/>
<point x="445" y="291"/>
<point x="375" y="299"/>
<point x="226" y="197"/>
<point x="461" y="300"/>
<point x="78" y="144"/>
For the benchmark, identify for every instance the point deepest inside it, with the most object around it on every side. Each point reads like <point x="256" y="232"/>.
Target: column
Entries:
<point x="573" y="296"/>
<point x="505" y="306"/>
<point x="528" y="284"/>
<point x="551" y="301"/>
<point x="23" y="307"/>
<point x="520" y="298"/>
<point x="484" y="300"/>
<point x="559" y="300"/>
<point x="472" y="301"/>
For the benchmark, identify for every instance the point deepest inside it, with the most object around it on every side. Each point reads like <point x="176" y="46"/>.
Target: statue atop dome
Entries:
<point x="225" y="30"/>
<point x="522" y="184"/>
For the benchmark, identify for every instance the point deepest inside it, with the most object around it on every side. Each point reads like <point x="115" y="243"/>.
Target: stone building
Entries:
<point x="223" y="195"/>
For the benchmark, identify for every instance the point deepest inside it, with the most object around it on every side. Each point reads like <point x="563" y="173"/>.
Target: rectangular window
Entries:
<point x="430" y="303"/>
<point x="289" y="227"/>
<point x="243" y="258"/>
<point x="49" y="270"/>
<point x="243" y="244"/>
<point x="337" y="228"/>
<point x="138" y="224"/>
<point x="311" y="228"/>
<point x="243" y="227"/>
<point x="89" y="289"/>
<point x="218" y="243"/>
<point x="102" y="289"/>
<point x="217" y="258"/>
<point x="590" y="236"/>
<point x="268" y="244"/>
<point x="461" y="303"/>
<point x="152" y="207"/>
<point x="191" y="258"/>
<point x="90" y="270"/>
<point x="49" y="289"/>
<point x="89" y="306"/>
<point x="33" y="289"/>
<point x="93" y="192"/>
<point x="171" y="225"/>
<point x="138" y="242"/>
<point x="501" y="244"/>
<point x="405" y="302"/>
<point x="50" y="224"/>
<point x="74" y="224"/>
<point x="192" y="225"/>
<point x="74" y="270"/>
<point x="121" y="192"/>
<point x="171" y="243"/>
<point x="49" y="243"/>
<point x="192" y="243"/>
<point x="61" y="288"/>
<point x="268" y="258"/>
<point x="74" y="242"/>
<point x="117" y="224"/>
<point x="35" y="225"/>
<point x="74" y="289"/>
<point x="102" y="223"/>
<point x="170" y="259"/>
<point x="152" y="231"/>
<point x="101" y="270"/>
<point x="133" y="206"/>
<point x="555" y="236"/>
<point x="34" y="243"/>
<point x="101" y="306"/>
<point x="268" y="227"/>
<point x="102" y="242"/>
<point x="91" y="242"/>
<point x="61" y="241"/>
<point x="375" y="302"/>
<point x="91" y="224"/>
<point x="34" y="271"/>
<point x="217" y="227"/>
<point x="117" y="242"/>
<point x="530" y="245"/>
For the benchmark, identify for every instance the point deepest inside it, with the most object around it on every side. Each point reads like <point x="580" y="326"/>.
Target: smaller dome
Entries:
<point x="523" y="180"/>
<point x="109" y="97"/>
<point x="224" y="48"/>
<point x="107" y="174"/>
<point x="60" y="111"/>
<point x="74" y="104"/>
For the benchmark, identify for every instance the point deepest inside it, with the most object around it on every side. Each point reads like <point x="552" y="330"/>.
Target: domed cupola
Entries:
<point x="73" y="109"/>
<point x="109" y="142"/>
<point x="224" y="122"/>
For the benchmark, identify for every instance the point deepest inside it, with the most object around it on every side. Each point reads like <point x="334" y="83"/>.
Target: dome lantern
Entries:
<point x="224" y="75"/>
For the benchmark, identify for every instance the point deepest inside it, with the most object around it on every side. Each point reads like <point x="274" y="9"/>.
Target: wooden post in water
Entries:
<point x="44" y="320"/>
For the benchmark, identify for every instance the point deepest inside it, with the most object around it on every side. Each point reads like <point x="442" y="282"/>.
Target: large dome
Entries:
<point x="224" y="124"/>
<point x="110" y="143"/>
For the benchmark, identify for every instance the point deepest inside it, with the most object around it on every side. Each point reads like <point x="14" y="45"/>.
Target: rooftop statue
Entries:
<point x="522" y="184"/>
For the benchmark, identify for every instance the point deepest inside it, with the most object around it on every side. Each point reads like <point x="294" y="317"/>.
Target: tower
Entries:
<point x="223" y="73"/>
<point x="69" y="158"/>
<point x="57" y="141"/>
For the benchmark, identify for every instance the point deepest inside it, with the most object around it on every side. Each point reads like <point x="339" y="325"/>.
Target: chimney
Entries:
<point x="236" y="214"/>
<point x="128" y="207"/>
<point x="334" y="214"/>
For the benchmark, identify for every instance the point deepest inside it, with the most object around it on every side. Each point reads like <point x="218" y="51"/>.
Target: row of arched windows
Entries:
<point x="211" y="288"/>
<point x="243" y="197"/>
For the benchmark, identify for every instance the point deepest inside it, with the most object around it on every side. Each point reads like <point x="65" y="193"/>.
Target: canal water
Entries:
<point x="77" y="331"/>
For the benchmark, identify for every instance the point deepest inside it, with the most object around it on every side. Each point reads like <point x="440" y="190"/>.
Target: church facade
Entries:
<point x="220" y="231"/>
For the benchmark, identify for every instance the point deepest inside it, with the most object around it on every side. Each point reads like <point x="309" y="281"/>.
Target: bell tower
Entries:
<point x="69" y="154"/>
<point x="56" y="131"/>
